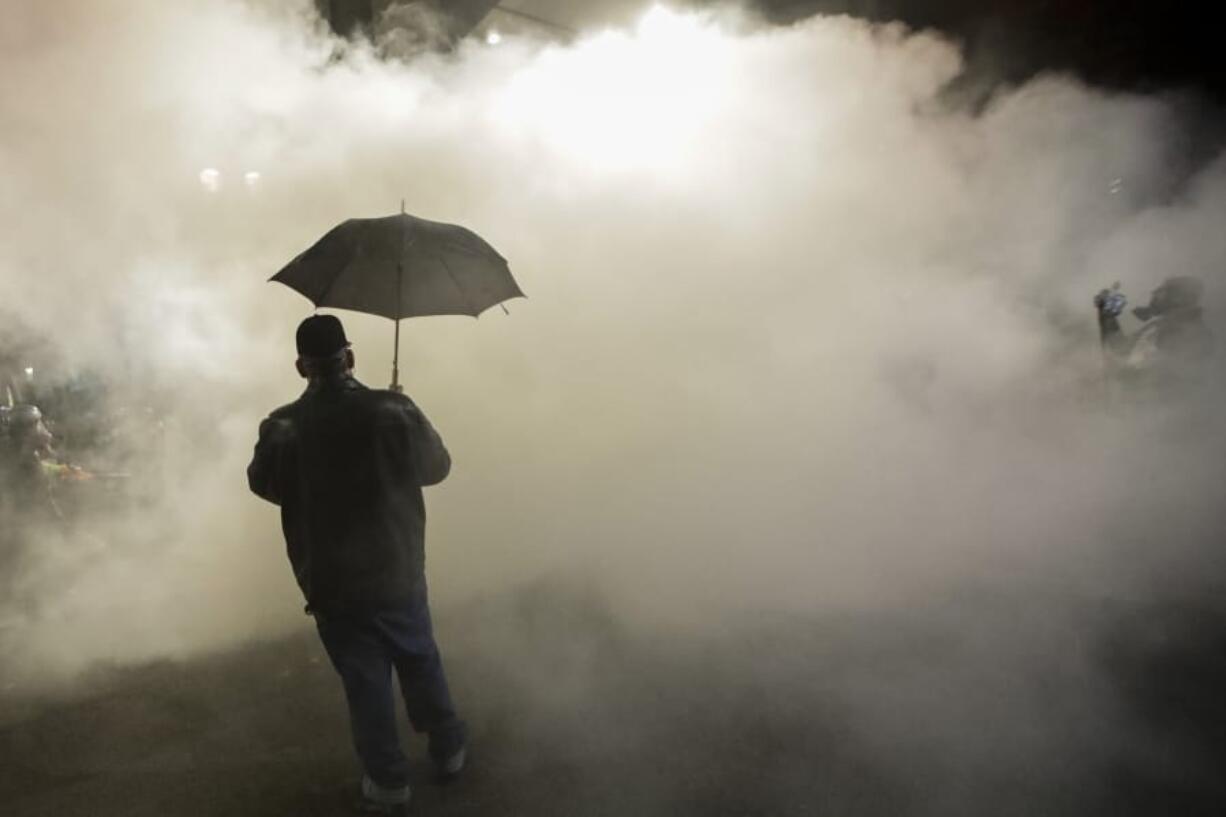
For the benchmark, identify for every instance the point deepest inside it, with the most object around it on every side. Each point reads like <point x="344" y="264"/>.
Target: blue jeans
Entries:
<point x="365" y="647"/>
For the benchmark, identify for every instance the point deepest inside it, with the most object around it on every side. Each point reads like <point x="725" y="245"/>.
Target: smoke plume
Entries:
<point x="801" y="338"/>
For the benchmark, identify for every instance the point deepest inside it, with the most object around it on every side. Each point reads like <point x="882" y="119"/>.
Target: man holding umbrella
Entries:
<point x="346" y="464"/>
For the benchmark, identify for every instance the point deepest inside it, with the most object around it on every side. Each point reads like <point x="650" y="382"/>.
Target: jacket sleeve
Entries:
<point x="264" y="474"/>
<point x="431" y="462"/>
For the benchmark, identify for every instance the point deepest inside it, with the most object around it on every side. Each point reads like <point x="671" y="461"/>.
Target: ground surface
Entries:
<point x="955" y="710"/>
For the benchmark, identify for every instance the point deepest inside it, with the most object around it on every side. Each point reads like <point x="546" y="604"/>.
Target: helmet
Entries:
<point x="26" y="427"/>
<point x="1180" y="292"/>
<point x="24" y="417"/>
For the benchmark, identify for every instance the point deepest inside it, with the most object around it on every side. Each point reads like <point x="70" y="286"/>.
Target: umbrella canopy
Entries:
<point x="401" y="267"/>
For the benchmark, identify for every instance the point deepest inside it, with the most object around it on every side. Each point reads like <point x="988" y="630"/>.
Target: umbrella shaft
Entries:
<point x="396" y="358"/>
<point x="396" y="351"/>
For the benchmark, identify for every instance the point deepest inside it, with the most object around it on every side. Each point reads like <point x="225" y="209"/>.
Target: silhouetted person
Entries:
<point x="29" y="464"/>
<point x="347" y="464"/>
<point x="1170" y="352"/>
<point x="28" y="506"/>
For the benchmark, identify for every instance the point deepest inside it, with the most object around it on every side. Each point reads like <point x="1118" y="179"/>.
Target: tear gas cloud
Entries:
<point x="800" y="335"/>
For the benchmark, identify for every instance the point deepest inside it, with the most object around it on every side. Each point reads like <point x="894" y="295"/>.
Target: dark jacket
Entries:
<point x="346" y="465"/>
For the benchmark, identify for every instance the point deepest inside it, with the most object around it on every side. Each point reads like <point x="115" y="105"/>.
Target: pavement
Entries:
<point x="960" y="707"/>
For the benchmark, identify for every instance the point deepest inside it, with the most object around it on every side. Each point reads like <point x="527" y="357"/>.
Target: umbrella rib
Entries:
<point x="332" y="284"/>
<point x="456" y="284"/>
<point x="328" y="288"/>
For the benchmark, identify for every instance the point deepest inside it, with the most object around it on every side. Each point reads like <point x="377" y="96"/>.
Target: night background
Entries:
<point x="1128" y="45"/>
<point x="797" y="485"/>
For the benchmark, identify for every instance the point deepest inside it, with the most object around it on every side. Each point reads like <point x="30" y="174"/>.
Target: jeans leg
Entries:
<point x="365" y="668"/>
<point x="419" y="666"/>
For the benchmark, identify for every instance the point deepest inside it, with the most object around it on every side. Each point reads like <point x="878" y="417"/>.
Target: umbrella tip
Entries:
<point x="402" y="207"/>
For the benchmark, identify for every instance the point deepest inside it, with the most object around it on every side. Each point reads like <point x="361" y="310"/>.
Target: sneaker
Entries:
<point x="453" y="764"/>
<point x="373" y="807"/>
<point x="449" y="750"/>
<point x="378" y="800"/>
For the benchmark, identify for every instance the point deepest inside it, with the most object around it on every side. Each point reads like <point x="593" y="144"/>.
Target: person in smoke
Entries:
<point x="27" y="490"/>
<point x="1171" y="350"/>
<point x="346" y="464"/>
<point x="30" y="464"/>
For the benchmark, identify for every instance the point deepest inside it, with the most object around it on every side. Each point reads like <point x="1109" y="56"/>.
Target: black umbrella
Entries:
<point x="401" y="267"/>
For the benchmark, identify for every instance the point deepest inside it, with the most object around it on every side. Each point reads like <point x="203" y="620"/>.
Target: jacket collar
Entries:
<point x="332" y="383"/>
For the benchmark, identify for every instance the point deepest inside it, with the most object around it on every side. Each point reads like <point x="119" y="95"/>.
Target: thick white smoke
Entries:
<point x="798" y="334"/>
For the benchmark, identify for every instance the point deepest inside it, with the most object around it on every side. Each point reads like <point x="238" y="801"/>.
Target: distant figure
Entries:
<point x="346" y="464"/>
<point x="28" y="506"/>
<point x="29" y="465"/>
<point x="1171" y="350"/>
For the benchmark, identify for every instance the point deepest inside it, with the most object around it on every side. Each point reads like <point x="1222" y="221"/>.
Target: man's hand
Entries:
<point x="276" y="445"/>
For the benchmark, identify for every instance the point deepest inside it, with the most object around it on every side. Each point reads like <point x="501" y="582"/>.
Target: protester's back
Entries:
<point x="346" y="464"/>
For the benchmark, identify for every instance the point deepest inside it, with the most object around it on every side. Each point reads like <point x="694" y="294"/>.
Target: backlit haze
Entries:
<point x="801" y="333"/>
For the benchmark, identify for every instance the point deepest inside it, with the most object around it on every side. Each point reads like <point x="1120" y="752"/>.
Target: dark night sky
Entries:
<point x="1127" y="44"/>
<point x="1142" y="45"/>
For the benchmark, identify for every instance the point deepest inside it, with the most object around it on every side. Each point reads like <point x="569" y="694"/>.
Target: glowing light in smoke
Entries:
<point x="251" y="178"/>
<point x="493" y="38"/>
<point x="210" y="179"/>
<point x="194" y="322"/>
<point x="622" y="100"/>
<point x="30" y="372"/>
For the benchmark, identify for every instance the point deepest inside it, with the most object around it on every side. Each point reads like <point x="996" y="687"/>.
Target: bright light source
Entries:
<point x="210" y="179"/>
<point x="30" y="372"/>
<point x="251" y="178"/>
<point x="493" y="38"/>
<point x="627" y="100"/>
